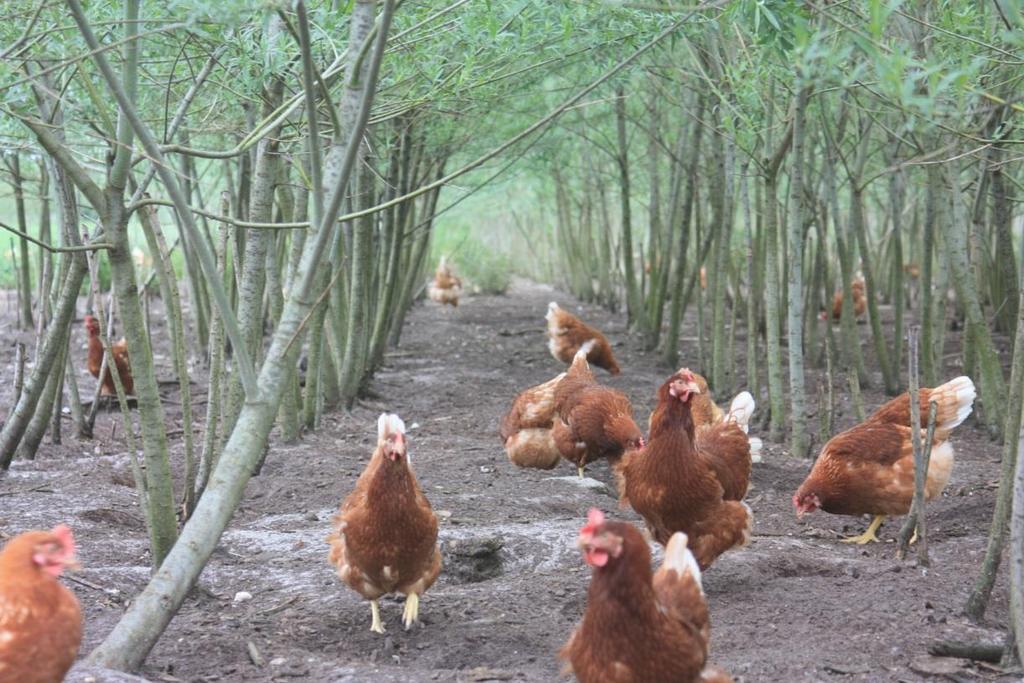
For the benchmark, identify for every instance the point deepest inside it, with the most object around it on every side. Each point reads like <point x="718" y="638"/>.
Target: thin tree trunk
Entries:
<point x="655" y="229"/>
<point x="24" y="274"/>
<point x="362" y="262"/>
<point x="261" y="202"/>
<point x="1016" y="563"/>
<point x="776" y="400"/>
<point x="797" y="390"/>
<point x="40" y="421"/>
<point x="211" y="442"/>
<point x="634" y="305"/>
<point x="896" y="192"/>
<point x="722" y="214"/>
<point x="931" y="362"/>
<point x="753" y="295"/>
<point x="17" y="422"/>
<point x="890" y="376"/>
<point x="675" y="319"/>
<point x="176" y="322"/>
<point x="163" y="531"/>
<point x="977" y="602"/>
<point x="993" y="386"/>
<point x="1002" y="220"/>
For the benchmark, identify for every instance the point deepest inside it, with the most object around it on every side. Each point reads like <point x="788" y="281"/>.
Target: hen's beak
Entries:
<point x="396" y="449"/>
<point x="693" y="387"/>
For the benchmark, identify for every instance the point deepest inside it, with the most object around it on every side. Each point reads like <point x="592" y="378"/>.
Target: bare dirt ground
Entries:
<point x="794" y="606"/>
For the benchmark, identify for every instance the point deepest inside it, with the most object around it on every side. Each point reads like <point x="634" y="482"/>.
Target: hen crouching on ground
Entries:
<point x="869" y="469"/>
<point x="567" y="334"/>
<point x="526" y="430"/>
<point x="385" y="535"/>
<point x="591" y="421"/>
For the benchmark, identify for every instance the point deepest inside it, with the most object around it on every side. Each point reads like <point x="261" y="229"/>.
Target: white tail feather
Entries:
<point x="552" y="309"/>
<point x="585" y="349"/>
<point x="965" y="393"/>
<point x="679" y="558"/>
<point x="755" y="448"/>
<point x="741" y="410"/>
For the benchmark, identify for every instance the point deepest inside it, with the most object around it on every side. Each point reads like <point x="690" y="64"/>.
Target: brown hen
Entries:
<point x="690" y="480"/>
<point x="446" y="288"/>
<point x="706" y="412"/>
<point x="385" y="535"/>
<point x="869" y="469"/>
<point x="639" y="626"/>
<point x="591" y="421"/>
<point x="526" y="428"/>
<point x="118" y="350"/>
<point x="567" y="334"/>
<point x="860" y="301"/>
<point x="40" y="619"/>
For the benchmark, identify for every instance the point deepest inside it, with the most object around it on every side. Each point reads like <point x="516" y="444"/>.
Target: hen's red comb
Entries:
<point x="66" y="538"/>
<point x="595" y="518"/>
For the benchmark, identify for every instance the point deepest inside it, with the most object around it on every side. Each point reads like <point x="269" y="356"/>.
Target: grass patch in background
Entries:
<point x="484" y="238"/>
<point x="481" y="267"/>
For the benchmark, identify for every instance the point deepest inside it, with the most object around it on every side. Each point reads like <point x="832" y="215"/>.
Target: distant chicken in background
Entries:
<point x="860" y="300"/>
<point x="40" y="619"/>
<point x="869" y="469"/>
<point x="690" y="480"/>
<point x="118" y="350"/>
<point x="567" y="334"/>
<point x="446" y="287"/>
<point x="707" y="412"/>
<point x="526" y="431"/>
<point x="385" y="535"/>
<point x="639" y="626"/>
<point x="591" y="421"/>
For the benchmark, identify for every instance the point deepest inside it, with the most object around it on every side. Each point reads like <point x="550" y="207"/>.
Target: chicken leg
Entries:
<point x="412" y="610"/>
<point x="376" y="625"/>
<point x="579" y="470"/>
<point x="869" y="535"/>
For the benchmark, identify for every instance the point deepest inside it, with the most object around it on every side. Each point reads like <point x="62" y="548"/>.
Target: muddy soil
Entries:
<point x="794" y="606"/>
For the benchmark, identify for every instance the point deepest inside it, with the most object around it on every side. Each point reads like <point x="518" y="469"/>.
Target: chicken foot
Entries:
<point x="869" y="535"/>
<point x="376" y="625"/>
<point x="412" y="610"/>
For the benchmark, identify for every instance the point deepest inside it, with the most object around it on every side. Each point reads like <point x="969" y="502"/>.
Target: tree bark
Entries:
<point x="675" y="318"/>
<point x="977" y="602"/>
<point x="993" y="385"/>
<point x="797" y="390"/>
<point x="634" y="305"/>
<point x="24" y="274"/>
